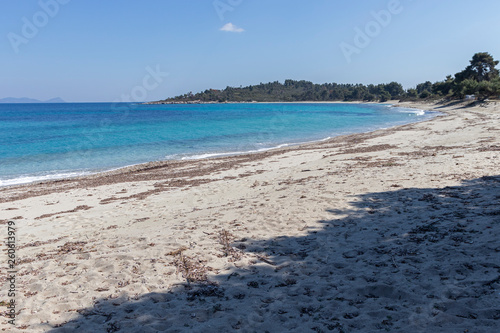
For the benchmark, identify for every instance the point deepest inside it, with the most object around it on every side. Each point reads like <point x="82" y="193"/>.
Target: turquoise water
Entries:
<point x="47" y="141"/>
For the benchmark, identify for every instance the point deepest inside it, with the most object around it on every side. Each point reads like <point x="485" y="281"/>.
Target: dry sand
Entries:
<point x="396" y="230"/>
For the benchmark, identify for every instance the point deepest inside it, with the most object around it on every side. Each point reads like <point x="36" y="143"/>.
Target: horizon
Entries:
<point x="96" y="52"/>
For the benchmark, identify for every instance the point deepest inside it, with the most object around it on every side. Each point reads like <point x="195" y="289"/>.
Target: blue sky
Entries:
<point x="89" y="50"/>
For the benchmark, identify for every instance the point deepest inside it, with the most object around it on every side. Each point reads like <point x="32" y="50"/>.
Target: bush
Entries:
<point x="486" y="89"/>
<point x="385" y="96"/>
<point x="425" y="94"/>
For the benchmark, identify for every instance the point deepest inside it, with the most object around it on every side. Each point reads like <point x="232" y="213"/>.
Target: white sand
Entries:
<point x="395" y="230"/>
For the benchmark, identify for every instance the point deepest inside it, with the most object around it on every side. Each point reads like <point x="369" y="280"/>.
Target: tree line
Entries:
<point x="480" y="78"/>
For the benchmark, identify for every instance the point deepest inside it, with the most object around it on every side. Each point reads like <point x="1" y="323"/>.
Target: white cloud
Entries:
<point x="231" y="28"/>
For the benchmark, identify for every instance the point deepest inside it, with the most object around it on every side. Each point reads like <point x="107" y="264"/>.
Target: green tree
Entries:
<point x="425" y="94"/>
<point x="412" y="93"/>
<point x="385" y="96"/>
<point x="324" y="95"/>
<point x="370" y="97"/>
<point x="481" y="68"/>
<point x="421" y="87"/>
<point x="486" y="89"/>
<point x="443" y="88"/>
<point x="395" y="89"/>
<point x="465" y="87"/>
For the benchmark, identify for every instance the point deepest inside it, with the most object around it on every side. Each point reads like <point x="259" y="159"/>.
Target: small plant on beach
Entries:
<point x="192" y="269"/>
<point x="225" y="239"/>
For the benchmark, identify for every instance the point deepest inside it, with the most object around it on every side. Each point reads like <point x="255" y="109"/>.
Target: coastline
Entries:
<point x="32" y="179"/>
<point x="338" y="228"/>
<point x="255" y="102"/>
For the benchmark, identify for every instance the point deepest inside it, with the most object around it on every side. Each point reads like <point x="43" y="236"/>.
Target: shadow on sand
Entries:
<point x="408" y="260"/>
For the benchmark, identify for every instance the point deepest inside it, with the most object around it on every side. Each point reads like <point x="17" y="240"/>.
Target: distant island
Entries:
<point x="480" y="80"/>
<point x="30" y="100"/>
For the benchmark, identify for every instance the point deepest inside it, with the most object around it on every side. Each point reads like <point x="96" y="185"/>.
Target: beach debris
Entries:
<point x="267" y="261"/>
<point x="39" y="243"/>
<point x="206" y="290"/>
<point x="142" y="219"/>
<point x="82" y="207"/>
<point x="71" y="246"/>
<point x="176" y="252"/>
<point x="309" y="310"/>
<point x="225" y="238"/>
<point x="253" y="284"/>
<point x="191" y="268"/>
<point x="239" y="296"/>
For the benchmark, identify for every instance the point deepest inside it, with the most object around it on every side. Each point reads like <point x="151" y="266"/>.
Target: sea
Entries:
<point x="52" y="141"/>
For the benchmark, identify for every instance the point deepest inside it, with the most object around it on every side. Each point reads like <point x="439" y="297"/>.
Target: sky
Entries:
<point x="108" y="51"/>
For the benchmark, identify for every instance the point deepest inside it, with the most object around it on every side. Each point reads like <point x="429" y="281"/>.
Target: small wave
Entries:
<point x="416" y="112"/>
<point x="30" y="179"/>
<point x="209" y="155"/>
<point x="202" y="156"/>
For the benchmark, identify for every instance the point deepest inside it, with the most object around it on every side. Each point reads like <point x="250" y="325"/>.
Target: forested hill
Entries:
<point x="292" y="91"/>
<point x="480" y="78"/>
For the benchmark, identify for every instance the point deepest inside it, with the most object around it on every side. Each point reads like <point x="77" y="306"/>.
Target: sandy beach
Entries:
<point x="395" y="230"/>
